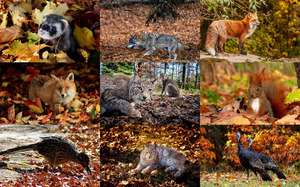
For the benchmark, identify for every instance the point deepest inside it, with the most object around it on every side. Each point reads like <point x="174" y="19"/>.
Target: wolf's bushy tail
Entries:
<point x="183" y="47"/>
<point x="211" y="41"/>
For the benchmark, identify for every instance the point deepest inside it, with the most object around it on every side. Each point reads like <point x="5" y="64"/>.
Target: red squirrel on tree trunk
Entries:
<point x="265" y="96"/>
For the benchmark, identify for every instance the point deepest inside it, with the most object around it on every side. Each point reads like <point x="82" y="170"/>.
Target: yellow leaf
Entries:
<point x="22" y="163"/>
<point x="98" y="108"/>
<point x="61" y="9"/>
<point x="38" y="15"/>
<point x="5" y="84"/>
<point x="36" y="109"/>
<point x="84" y="37"/>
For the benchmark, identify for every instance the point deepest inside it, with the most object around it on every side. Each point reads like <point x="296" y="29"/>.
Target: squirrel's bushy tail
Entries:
<point x="275" y="93"/>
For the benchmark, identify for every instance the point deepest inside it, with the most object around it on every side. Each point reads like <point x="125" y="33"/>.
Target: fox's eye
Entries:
<point x="59" y="88"/>
<point x="67" y="87"/>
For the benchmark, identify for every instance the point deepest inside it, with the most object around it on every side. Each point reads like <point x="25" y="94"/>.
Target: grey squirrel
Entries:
<point x="59" y="34"/>
<point x="265" y="96"/>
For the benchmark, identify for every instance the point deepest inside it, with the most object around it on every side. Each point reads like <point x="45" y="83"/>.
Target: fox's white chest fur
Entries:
<point x="255" y="105"/>
<point x="252" y="29"/>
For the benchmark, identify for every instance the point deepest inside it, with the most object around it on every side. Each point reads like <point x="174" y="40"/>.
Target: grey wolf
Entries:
<point x="152" y="42"/>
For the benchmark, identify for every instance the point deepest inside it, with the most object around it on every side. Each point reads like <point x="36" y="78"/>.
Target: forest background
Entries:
<point x="277" y="35"/>
<point x="186" y="75"/>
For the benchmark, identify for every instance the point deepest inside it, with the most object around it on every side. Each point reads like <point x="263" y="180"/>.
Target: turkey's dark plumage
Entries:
<point x="250" y="161"/>
<point x="269" y="163"/>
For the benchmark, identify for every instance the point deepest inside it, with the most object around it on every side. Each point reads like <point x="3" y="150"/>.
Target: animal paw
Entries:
<point x="135" y="114"/>
<point x="133" y="172"/>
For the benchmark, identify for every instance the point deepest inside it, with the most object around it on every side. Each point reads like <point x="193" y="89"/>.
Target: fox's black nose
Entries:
<point x="63" y="95"/>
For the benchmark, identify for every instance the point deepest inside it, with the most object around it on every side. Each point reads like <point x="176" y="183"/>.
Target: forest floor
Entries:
<point x="119" y="23"/>
<point x="161" y="111"/>
<point x="240" y="179"/>
<point x="120" y="152"/>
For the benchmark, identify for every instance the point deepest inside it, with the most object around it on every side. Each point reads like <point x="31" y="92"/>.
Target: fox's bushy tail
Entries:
<point x="211" y="41"/>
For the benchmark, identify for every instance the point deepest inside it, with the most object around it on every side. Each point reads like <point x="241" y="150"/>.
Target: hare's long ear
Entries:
<point x="54" y="78"/>
<point x="70" y="77"/>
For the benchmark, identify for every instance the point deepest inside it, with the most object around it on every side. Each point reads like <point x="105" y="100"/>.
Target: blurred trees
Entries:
<point x="219" y="143"/>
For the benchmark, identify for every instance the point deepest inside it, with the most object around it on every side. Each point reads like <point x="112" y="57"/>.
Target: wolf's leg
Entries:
<point x="172" y="51"/>
<point x="175" y="56"/>
<point x="149" y="52"/>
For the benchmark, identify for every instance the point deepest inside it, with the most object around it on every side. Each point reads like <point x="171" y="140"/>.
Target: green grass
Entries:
<point x="240" y="179"/>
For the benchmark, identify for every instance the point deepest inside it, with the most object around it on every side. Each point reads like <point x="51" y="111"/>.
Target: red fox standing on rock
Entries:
<point x="223" y="29"/>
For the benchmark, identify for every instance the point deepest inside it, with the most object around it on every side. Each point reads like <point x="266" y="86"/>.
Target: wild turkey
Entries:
<point x="250" y="161"/>
<point x="269" y="163"/>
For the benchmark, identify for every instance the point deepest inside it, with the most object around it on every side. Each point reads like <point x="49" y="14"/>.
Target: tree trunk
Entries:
<point x="183" y="75"/>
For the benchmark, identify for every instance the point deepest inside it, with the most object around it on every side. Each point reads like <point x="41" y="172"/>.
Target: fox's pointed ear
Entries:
<point x="54" y="78"/>
<point x="70" y="77"/>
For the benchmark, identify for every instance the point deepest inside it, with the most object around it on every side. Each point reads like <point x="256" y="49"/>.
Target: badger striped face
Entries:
<point x="52" y="26"/>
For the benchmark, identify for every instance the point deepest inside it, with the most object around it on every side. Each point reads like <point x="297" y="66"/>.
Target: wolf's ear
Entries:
<point x="70" y="77"/>
<point x="131" y="35"/>
<point x="54" y="78"/>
